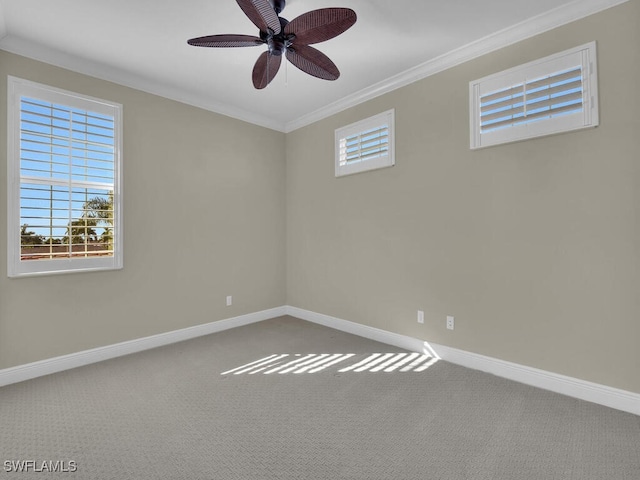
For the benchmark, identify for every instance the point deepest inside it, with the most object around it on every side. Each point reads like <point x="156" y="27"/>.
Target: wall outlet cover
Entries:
<point x="450" y="322"/>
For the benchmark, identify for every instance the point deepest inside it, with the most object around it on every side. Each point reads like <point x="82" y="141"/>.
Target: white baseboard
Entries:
<point x="57" y="364"/>
<point x="573" y="387"/>
<point x="382" y="336"/>
<point x="592" y="392"/>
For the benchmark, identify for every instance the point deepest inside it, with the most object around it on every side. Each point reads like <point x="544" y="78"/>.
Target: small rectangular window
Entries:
<point x="64" y="181"/>
<point x="365" y="145"/>
<point x="551" y="95"/>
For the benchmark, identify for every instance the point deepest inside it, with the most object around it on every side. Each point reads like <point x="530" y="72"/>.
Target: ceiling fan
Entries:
<point x="292" y="39"/>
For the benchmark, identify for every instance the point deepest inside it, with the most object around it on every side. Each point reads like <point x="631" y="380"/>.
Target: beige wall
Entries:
<point x="533" y="247"/>
<point x="203" y="218"/>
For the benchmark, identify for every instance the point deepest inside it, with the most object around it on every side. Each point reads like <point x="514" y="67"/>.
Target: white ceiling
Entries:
<point x="142" y="44"/>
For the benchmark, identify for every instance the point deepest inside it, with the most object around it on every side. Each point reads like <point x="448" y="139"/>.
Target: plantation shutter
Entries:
<point x="551" y="95"/>
<point x="67" y="152"/>
<point x="66" y="161"/>
<point x="365" y="145"/>
<point x="556" y="94"/>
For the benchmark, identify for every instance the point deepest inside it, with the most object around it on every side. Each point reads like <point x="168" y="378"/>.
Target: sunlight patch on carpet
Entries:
<point x="298" y="363"/>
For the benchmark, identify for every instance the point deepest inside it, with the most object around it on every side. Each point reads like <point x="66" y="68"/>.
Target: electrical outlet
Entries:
<point x="420" y="316"/>
<point x="450" y="321"/>
<point x="229" y="300"/>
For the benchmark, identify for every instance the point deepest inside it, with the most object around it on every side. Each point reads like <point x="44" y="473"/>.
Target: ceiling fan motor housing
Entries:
<point x="278" y="43"/>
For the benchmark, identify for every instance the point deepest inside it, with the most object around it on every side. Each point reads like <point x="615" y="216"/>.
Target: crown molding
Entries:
<point x="25" y="48"/>
<point x="557" y="17"/>
<point x="534" y="26"/>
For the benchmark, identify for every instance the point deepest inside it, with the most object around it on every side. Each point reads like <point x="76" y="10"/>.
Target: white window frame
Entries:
<point x="18" y="88"/>
<point x="583" y="56"/>
<point x="387" y="159"/>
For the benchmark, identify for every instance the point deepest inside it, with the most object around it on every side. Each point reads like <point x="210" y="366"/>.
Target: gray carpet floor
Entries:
<point x="274" y="400"/>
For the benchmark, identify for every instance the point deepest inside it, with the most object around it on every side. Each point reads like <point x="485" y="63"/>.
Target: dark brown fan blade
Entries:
<point x="226" y="41"/>
<point x="262" y="14"/>
<point x="265" y="69"/>
<point x="320" y="25"/>
<point x="313" y="62"/>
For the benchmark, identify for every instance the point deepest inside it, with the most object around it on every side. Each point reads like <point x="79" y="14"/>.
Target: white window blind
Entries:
<point x="365" y="145"/>
<point x="64" y="181"/>
<point x="551" y="95"/>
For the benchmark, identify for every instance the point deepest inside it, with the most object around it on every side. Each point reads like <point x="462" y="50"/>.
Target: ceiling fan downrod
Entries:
<point x="279" y="43"/>
<point x="278" y="5"/>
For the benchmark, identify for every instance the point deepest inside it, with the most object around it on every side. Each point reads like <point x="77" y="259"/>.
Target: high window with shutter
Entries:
<point x="552" y="95"/>
<point x="64" y="188"/>
<point x="365" y="145"/>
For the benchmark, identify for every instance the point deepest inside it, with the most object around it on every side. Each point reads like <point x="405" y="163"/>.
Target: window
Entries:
<point x="552" y="95"/>
<point x="64" y="154"/>
<point x="365" y="145"/>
